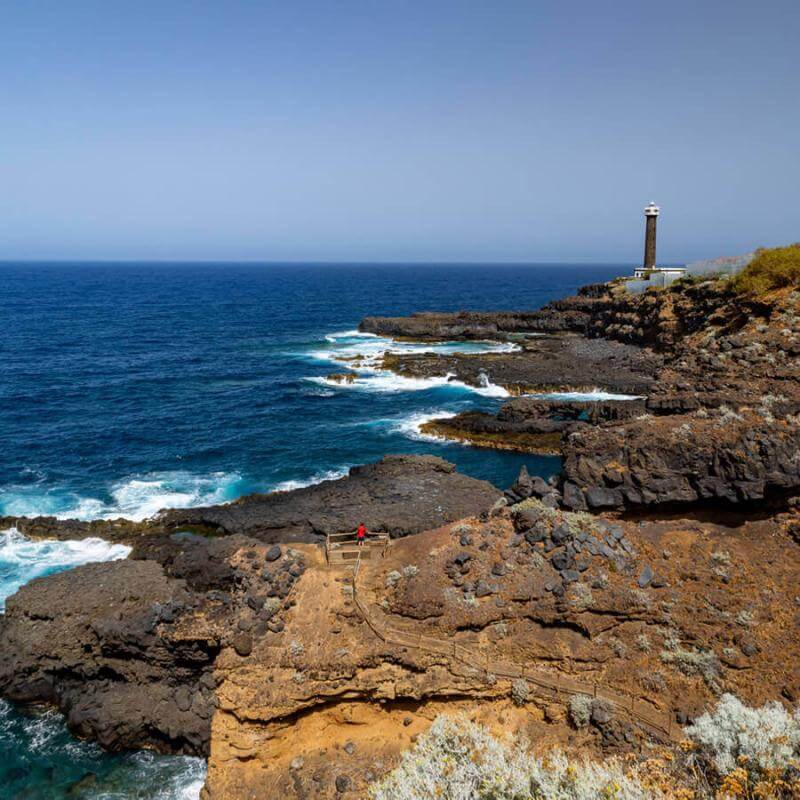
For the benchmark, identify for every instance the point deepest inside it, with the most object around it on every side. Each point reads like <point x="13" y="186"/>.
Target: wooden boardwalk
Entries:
<point x="657" y="723"/>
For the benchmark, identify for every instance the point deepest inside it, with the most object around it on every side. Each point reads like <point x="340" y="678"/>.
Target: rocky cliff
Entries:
<point x="719" y="377"/>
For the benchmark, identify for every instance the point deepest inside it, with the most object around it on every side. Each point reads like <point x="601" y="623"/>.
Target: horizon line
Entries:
<point x="314" y="262"/>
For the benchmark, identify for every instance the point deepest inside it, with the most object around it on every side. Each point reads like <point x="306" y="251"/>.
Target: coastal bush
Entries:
<point x="771" y="268"/>
<point x="459" y="760"/>
<point x="392" y="578"/>
<point x="520" y="691"/>
<point x="730" y="752"/>
<point x="750" y="752"/>
<point x="694" y="662"/>
<point x="580" y="710"/>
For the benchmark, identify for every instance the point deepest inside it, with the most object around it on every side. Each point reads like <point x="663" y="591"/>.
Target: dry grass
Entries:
<point x="773" y="268"/>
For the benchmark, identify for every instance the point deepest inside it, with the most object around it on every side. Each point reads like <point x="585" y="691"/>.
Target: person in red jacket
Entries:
<point x="361" y="534"/>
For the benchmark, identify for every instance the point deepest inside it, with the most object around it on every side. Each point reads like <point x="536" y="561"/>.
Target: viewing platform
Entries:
<point x="343" y="549"/>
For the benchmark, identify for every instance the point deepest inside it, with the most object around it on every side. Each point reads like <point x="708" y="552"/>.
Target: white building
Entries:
<point x="667" y="274"/>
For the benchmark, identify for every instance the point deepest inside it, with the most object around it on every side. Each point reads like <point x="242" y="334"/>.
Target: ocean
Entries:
<point x="126" y="388"/>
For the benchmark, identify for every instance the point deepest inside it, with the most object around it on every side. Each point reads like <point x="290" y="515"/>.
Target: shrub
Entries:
<point x="762" y="740"/>
<point x="520" y="691"/>
<point x="462" y="528"/>
<point x="580" y="710"/>
<point x="773" y="268"/>
<point x="580" y="597"/>
<point x="694" y="662"/>
<point x="392" y="578"/>
<point x="459" y="760"/>
<point x="410" y="570"/>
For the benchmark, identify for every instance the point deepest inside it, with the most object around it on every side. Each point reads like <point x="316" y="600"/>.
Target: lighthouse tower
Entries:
<point x="651" y="213"/>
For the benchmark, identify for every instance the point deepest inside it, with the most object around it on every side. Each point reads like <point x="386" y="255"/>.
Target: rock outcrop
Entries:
<point x="719" y="373"/>
<point x="433" y="326"/>
<point x="530" y="424"/>
<point x="545" y="364"/>
<point x="398" y="495"/>
<point x="127" y="649"/>
<point x="725" y="457"/>
<point x="110" y="646"/>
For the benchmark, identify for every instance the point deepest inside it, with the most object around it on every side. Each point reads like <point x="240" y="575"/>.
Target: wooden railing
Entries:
<point x="344" y="547"/>
<point x="660" y="724"/>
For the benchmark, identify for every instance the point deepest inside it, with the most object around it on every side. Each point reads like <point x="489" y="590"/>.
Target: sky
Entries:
<point x="397" y="131"/>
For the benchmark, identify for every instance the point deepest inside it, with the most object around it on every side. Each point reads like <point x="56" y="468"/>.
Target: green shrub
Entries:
<point x="773" y="268"/>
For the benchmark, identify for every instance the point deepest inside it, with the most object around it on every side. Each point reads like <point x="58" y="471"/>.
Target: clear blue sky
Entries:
<point x="528" y="131"/>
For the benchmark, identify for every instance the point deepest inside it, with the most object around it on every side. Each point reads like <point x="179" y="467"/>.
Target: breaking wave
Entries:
<point x="382" y="381"/>
<point x="22" y="559"/>
<point x="134" y="498"/>
<point x="365" y="350"/>
<point x="593" y="396"/>
<point x="319" y="477"/>
<point x="410" y="426"/>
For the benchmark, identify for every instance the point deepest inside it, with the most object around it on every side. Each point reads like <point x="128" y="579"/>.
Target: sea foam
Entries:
<point x="383" y="381"/>
<point x="39" y="744"/>
<point x="23" y="559"/>
<point x="410" y="426"/>
<point x="136" y="498"/>
<point x="345" y="346"/>
<point x="319" y="477"/>
<point x="594" y="395"/>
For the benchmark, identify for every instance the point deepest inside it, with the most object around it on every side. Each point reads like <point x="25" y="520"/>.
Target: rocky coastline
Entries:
<point x="228" y="633"/>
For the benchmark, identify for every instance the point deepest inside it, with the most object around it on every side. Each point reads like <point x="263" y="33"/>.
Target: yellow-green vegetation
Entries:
<point x="771" y="268"/>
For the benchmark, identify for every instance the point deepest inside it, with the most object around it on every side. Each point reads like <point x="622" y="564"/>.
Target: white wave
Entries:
<point x="135" y="498"/>
<point x="22" y="559"/>
<point x="489" y="389"/>
<point x="382" y="381"/>
<point x="353" y="334"/>
<point x="166" y="777"/>
<point x="411" y="425"/>
<point x="369" y="348"/>
<point x="592" y="396"/>
<point x="319" y="477"/>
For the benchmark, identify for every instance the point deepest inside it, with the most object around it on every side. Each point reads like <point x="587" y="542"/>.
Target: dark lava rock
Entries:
<point x="343" y="783"/>
<point x="601" y="713"/>
<point x="535" y="535"/>
<point x="599" y="497"/>
<point x="645" y="576"/>
<point x="83" y="640"/>
<point x="561" y="533"/>
<point x="483" y="589"/>
<point x="561" y="560"/>
<point x="399" y="494"/>
<point x="274" y="553"/>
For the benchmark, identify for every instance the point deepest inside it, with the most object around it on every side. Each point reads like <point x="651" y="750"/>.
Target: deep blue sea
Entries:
<point x="125" y="388"/>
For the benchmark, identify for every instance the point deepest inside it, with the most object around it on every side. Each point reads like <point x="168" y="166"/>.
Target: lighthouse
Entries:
<point x="651" y="213"/>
